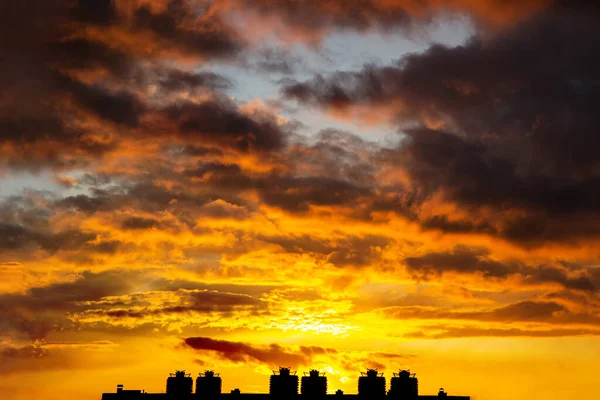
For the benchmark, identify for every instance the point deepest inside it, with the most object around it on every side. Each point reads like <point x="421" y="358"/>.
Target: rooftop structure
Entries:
<point x="284" y="386"/>
<point x="404" y="385"/>
<point x="371" y="385"/>
<point x="208" y="385"/>
<point x="314" y="385"/>
<point x="179" y="384"/>
<point x="283" y="383"/>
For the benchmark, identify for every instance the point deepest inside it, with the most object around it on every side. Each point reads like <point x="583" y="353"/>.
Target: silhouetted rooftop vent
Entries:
<point x="371" y="373"/>
<point x="180" y="374"/>
<point x="284" y="372"/>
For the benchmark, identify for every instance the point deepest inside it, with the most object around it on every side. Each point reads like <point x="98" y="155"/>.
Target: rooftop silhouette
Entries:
<point x="283" y="384"/>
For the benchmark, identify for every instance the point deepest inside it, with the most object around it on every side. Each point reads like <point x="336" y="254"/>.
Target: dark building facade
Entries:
<point x="179" y="384"/>
<point x="208" y="385"/>
<point x="284" y="386"/>
<point x="371" y="385"/>
<point x="283" y="383"/>
<point x="404" y="386"/>
<point x="313" y="385"/>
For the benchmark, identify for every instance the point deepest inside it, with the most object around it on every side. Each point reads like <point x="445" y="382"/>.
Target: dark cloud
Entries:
<point x="44" y="356"/>
<point x="223" y="123"/>
<point x="29" y="233"/>
<point x="342" y="251"/>
<point x="223" y="209"/>
<point x="443" y="332"/>
<point x="139" y="223"/>
<point x="317" y="15"/>
<point x="28" y="129"/>
<point x="298" y="194"/>
<point x="444" y="224"/>
<point x="125" y="89"/>
<point x="215" y="171"/>
<point x="178" y="80"/>
<point x="197" y="151"/>
<point x="526" y="311"/>
<point x="338" y="155"/>
<point x="517" y="134"/>
<point x="81" y="65"/>
<point x="97" y="12"/>
<point x="110" y="296"/>
<point x="252" y="291"/>
<point x="271" y="355"/>
<point x="358" y="252"/>
<point x="90" y="286"/>
<point x="275" y="60"/>
<point x="282" y="189"/>
<point x="41" y="310"/>
<point x="16" y="237"/>
<point x="85" y="203"/>
<point x="189" y="301"/>
<point x="87" y="54"/>
<point x="29" y="351"/>
<point x="300" y="244"/>
<point x="462" y="260"/>
<point x="121" y="107"/>
<point x="548" y="312"/>
<point x="582" y="280"/>
<point x="178" y="26"/>
<point x="309" y="20"/>
<point x="142" y="195"/>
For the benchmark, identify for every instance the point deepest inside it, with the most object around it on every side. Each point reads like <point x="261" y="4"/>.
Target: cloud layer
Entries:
<point x="199" y="178"/>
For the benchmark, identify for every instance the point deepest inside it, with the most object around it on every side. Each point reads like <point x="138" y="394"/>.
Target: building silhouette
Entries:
<point x="313" y="385"/>
<point x="284" y="386"/>
<point x="179" y="384"/>
<point x="283" y="383"/>
<point x="122" y="393"/>
<point x="404" y="386"/>
<point x="371" y="385"/>
<point x="208" y="385"/>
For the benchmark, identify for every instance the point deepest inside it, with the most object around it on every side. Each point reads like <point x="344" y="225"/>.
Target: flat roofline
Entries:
<point x="116" y="396"/>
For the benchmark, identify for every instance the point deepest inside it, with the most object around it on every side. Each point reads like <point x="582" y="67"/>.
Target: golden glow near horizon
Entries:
<point x="239" y="185"/>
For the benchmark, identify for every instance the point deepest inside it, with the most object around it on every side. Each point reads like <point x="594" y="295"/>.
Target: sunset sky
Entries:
<point x="340" y="184"/>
